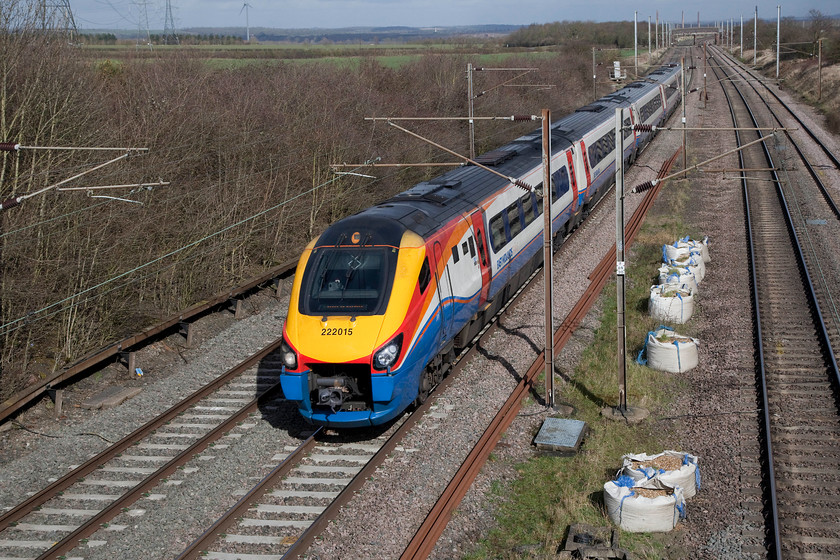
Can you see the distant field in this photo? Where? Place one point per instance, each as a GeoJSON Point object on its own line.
{"type": "Point", "coordinates": [344, 55]}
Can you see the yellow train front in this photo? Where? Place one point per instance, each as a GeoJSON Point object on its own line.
{"type": "Point", "coordinates": [353, 349]}
{"type": "Point", "coordinates": [383, 299]}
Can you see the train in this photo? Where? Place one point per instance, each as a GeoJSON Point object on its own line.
{"type": "Point", "coordinates": [384, 299]}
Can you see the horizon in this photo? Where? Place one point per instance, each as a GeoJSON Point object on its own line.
{"type": "Point", "coordinates": [92, 15]}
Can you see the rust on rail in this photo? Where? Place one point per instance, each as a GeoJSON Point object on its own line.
{"type": "Point", "coordinates": [426, 537]}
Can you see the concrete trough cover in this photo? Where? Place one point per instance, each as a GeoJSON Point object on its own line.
{"type": "Point", "coordinates": [560, 435]}
{"type": "Point", "coordinates": [111, 397]}
{"type": "Point", "coordinates": [816, 222]}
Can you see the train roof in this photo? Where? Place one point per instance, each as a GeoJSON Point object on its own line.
{"type": "Point", "coordinates": [426, 206]}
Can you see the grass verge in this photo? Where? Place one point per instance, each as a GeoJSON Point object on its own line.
{"type": "Point", "coordinates": [551, 493]}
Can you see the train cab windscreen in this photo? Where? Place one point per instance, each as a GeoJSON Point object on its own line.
{"type": "Point", "coordinates": [348, 281]}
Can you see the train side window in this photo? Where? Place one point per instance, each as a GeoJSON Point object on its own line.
{"type": "Point", "coordinates": [472, 246]}
{"type": "Point", "coordinates": [539, 205]}
{"type": "Point", "coordinates": [527, 209]}
{"type": "Point", "coordinates": [455, 255]}
{"type": "Point", "coordinates": [497, 232]}
{"type": "Point", "coordinates": [464, 248]}
{"type": "Point", "coordinates": [628, 132]}
{"type": "Point", "coordinates": [425, 275]}
{"type": "Point", "coordinates": [561, 181]}
{"type": "Point", "coordinates": [514, 220]}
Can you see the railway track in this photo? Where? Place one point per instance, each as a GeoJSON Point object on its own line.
{"type": "Point", "coordinates": [285, 510]}
{"type": "Point", "coordinates": [798, 375]}
{"type": "Point", "coordinates": [69, 511]}
{"type": "Point", "coordinates": [800, 173]}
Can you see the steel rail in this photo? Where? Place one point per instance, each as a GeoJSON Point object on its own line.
{"type": "Point", "coordinates": [196, 548]}
{"type": "Point", "coordinates": [429, 532]}
{"type": "Point", "coordinates": [812, 297]}
{"type": "Point", "coordinates": [71, 541]}
{"type": "Point", "coordinates": [768, 447]}
{"type": "Point", "coordinates": [812, 293]}
{"type": "Point", "coordinates": [811, 171]}
{"type": "Point", "coordinates": [829, 154]}
{"type": "Point", "coordinates": [92, 464]}
{"type": "Point", "coordinates": [98, 357]}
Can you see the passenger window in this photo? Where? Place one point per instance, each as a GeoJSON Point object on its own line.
{"type": "Point", "coordinates": [539, 206]}
{"type": "Point", "coordinates": [472, 247]}
{"type": "Point", "coordinates": [514, 220]}
{"type": "Point", "coordinates": [425, 275]}
{"type": "Point", "coordinates": [528, 209]}
{"type": "Point", "coordinates": [497, 233]}
{"type": "Point", "coordinates": [561, 181]}
{"type": "Point", "coordinates": [464, 248]}
{"type": "Point", "coordinates": [455, 256]}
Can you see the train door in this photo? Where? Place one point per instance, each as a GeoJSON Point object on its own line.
{"type": "Point", "coordinates": [585, 161]}
{"type": "Point", "coordinates": [664, 102]}
{"type": "Point", "coordinates": [477, 219]}
{"type": "Point", "coordinates": [573, 181]}
{"type": "Point", "coordinates": [633, 134]}
{"type": "Point", "coordinates": [444, 283]}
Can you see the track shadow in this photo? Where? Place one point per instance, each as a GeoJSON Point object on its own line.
{"type": "Point", "coordinates": [511, 370]}
{"type": "Point", "coordinates": [584, 390]}
{"type": "Point", "coordinates": [517, 332]}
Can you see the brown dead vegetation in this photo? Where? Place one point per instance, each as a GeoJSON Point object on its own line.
{"type": "Point", "coordinates": [247, 152]}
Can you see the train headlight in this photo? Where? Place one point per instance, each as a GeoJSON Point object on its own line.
{"type": "Point", "coordinates": [387, 356]}
{"type": "Point", "coordinates": [288, 355]}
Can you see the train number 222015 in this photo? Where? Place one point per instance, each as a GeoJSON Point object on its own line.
{"type": "Point", "coordinates": [336, 332]}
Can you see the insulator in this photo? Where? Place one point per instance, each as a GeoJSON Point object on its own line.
{"type": "Point", "coordinates": [9, 203]}
{"type": "Point", "coordinates": [522, 184]}
{"type": "Point", "coordinates": [644, 128]}
{"type": "Point", "coordinates": [9, 147]}
{"type": "Point", "coordinates": [521, 117]}
{"type": "Point", "coordinates": [647, 185]}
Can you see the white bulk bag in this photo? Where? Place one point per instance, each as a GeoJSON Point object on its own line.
{"type": "Point", "coordinates": [671, 304]}
{"type": "Point", "coordinates": [692, 262]}
{"type": "Point", "coordinates": [635, 513]}
{"type": "Point", "coordinates": [691, 245]}
{"type": "Point", "coordinates": [644, 467]}
{"type": "Point", "coordinates": [702, 246]}
{"type": "Point", "coordinates": [668, 351]}
{"type": "Point", "coordinates": [677, 250]}
{"type": "Point", "coordinates": [680, 277]}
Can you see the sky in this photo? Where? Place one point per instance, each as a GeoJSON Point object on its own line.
{"type": "Point", "coordinates": [286, 14]}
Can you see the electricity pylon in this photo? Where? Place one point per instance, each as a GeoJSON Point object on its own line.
{"type": "Point", "coordinates": [56, 15]}
{"type": "Point", "coordinates": [170, 37]}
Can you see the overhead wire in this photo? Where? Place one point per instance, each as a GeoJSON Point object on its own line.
{"type": "Point", "coordinates": [289, 163]}
{"type": "Point", "coordinates": [4, 328]}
